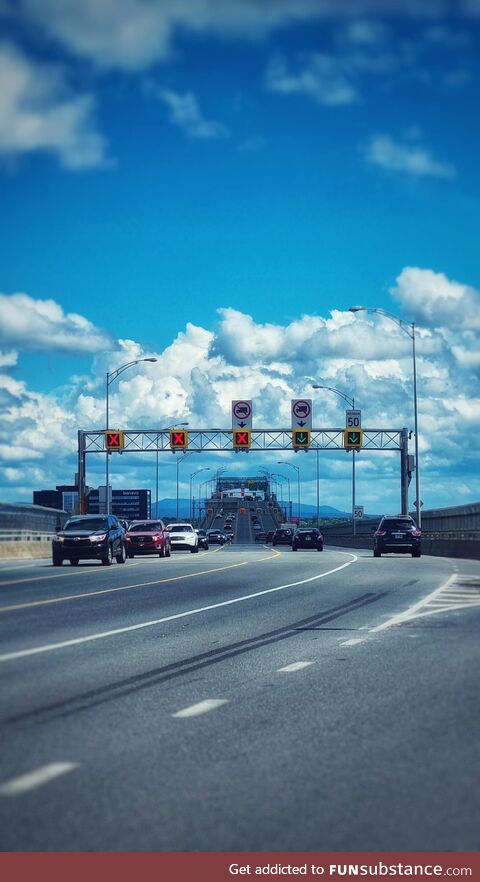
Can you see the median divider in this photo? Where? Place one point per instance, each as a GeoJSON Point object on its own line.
{"type": "Point", "coordinates": [25, 549]}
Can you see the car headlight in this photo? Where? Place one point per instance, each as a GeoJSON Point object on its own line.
{"type": "Point", "coordinates": [59, 539]}
{"type": "Point", "coordinates": [98, 538]}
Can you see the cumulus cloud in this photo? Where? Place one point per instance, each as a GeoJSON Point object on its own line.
{"type": "Point", "coordinates": [185, 113]}
{"type": "Point", "coordinates": [435, 300]}
{"type": "Point", "coordinates": [198, 375]}
{"type": "Point", "coordinates": [42, 325]}
{"type": "Point", "coordinates": [39, 113]}
{"type": "Point", "coordinates": [411, 159]}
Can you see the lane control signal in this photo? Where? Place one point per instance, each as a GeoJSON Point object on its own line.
{"type": "Point", "coordinates": [301, 439]}
{"type": "Point", "coordinates": [353, 439]}
{"type": "Point", "coordinates": [114, 439]}
{"type": "Point", "coordinates": [178, 439]}
{"type": "Point", "coordinates": [242, 439]}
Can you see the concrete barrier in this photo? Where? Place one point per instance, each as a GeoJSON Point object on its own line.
{"type": "Point", "coordinates": [25, 550]}
{"type": "Point", "coordinates": [463, 548]}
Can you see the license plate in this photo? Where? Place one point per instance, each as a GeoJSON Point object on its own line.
{"type": "Point", "coordinates": [307, 539]}
{"type": "Point", "coordinates": [398, 535]}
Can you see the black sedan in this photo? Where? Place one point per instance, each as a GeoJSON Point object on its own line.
{"type": "Point", "coordinates": [216, 537]}
{"type": "Point", "coordinates": [312, 539]}
{"type": "Point", "coordinates": [202, 539]}
{"type": "Point", "coordinates": [282, 536]}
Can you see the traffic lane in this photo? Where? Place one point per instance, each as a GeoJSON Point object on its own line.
{"type": "Point", "coordinates": [164, 649]}
{"type": "Point", "coordinates": [368, 750]}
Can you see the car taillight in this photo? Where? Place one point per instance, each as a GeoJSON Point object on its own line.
{"type": "Point", "coordinates": [380, 533]}
{"type": "Point", "coordinates": [416, 532]}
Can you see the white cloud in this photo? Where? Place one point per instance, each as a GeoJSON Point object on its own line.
{"type": "Point", "coordinates": [185, 113]}
{"type": "Point", "coordinates": [39, 113]}
{"type": "Point", "coordinates": [42, 325]}
{"type": "Point", "coordinates": [202, 371]}
{"type": "Point", "coordinates": [321, 77]}
{"type": "Point", "coordinates": [436, 301]}
{"type": "Point", "coordinates": [412, 159]}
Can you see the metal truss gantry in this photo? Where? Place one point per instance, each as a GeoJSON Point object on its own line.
{"type": "Point", "coordinates": [218, 440]}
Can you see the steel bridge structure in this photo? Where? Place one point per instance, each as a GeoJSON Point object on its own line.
{"type": "Point", "coordinates": [262, 440]}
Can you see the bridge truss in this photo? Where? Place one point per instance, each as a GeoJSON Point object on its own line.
{"type": "Point", "coordinates": [218, 440]}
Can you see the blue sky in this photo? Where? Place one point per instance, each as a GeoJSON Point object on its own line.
{"type": "Point", "coordinates": [277, 162]}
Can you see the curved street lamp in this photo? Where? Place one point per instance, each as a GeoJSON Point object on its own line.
{"type": "Point", "coordinates": [350, 401]}
{"type": "Point", "coordinates": [409, 329]}
{"type": "Point", "coordinates": [111, 376]}
{"type": "Point", "coordinates": [166, 429]}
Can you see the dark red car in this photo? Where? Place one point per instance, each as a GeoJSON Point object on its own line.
{"type": "Point", "coordinates": [148, 537]}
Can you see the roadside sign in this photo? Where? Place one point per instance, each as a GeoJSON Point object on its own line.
{"type": "Point", "coordinates": [241, 414]}
{"type": "Point", "coordinates": [353, 419]}
{"type": "Point", "coordinates": [358, 512]}
{"type": "Point", "coordinates": [301, 413]}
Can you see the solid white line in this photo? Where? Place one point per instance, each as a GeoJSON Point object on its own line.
{"type": "Point", "coordinates": [31, 780]}
{"type": "Point", "coordinates": [411, 612]}
{"type": "Point", "coordinates": [22, 653]}
{"type": "Point", "coordinates": [295, 666]}
{"type": "Point", "coordinates": [203, 707]}
{"type": "Point", "coordinates": [354, 641]}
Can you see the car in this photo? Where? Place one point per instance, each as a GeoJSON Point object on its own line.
{"type": "Point", "coordinates": [89, 537]}
{"type": "Point", "coordinates": [183, 536]}
{"type": "Point", "coordinates": [307, 539]}
{"type": "Point", "coordinates": [282, 536]}
{"type": "Point", "coordinates": [217, 516]}
{"type": "Point", "coordinates": [397, 533]}
{"type": "Point", "coordinates": [148, 537]}
{"type": "Point", "coordinates": [202, 539]}
{"type": "Point", "coordinates": [216, 537]}
{"type": "Point", "coordinates": [269, 536]}
{"type": "Point", "coordinates": [257, 527]}
{"type": "Point", "coordinates": [261, 536]}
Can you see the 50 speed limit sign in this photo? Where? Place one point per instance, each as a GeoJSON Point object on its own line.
{"type": "Point", "coordinates": [353, 419]}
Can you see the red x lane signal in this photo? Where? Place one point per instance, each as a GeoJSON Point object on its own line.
{"type": "Point", "coordinates": [178, 440]}
{"type": "Point", "coordinates": [114, 440]}
{"type": "Point", "coordinates": [241, 439]}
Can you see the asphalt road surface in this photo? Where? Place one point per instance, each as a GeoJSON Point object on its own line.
{"type": "Point", "coordinates": [241, 699]}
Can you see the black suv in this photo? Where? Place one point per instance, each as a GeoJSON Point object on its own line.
{"type": "Point", "coordinates": [202, 539]}
{"type": "Point", "coordinates": [282, 536]}
{"type": "Point", "coordinates": [89, 537]}
{"type": "Point", "coordinates": [397, 533]}
{"type": "Point", "coordinates": [307, 539]}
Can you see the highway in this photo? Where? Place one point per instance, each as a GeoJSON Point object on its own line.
{"type": "Point", "coordinates": [241, 699]}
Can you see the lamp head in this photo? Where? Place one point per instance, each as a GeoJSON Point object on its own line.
{"type": "Point", "coordinates": [149, 359]}
{"type": "Point", "coordinates": [356, 308]}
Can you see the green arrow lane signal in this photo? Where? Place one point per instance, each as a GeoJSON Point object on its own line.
{"type": "Point", "coordinates": [353, 439]}
{"type": "Point", "coordinates": [301, 438]}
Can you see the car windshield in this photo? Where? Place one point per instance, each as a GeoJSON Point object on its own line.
{"type": "Point", "coordinates": [396, 524]}
{"type": "Point", "coordinates": [180, 528]}
{"type": "Point", "coordinates": [141, 528]}
{"type": "Point", "coordinates": [90, 524]}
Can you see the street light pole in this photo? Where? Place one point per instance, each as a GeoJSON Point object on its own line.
{"type": "Point", "coordinates": [111, 376]}
{"type": "Point", "coordinates": [166, 429]}
{"type": "Point", "coordinates": [297, 469]}
{"type": "Point", "coordinates": [205, 469]}
{"type": "Point", "coordinates": [351, 402]}
{"type": "Point", "coordinates": [410, 330]}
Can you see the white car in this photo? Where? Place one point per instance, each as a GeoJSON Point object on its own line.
{"type": "Point", "coordinates": [183, 536]}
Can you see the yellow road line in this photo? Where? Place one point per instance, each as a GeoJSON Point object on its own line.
{"type": "Point", "coordinates": [67, 597]}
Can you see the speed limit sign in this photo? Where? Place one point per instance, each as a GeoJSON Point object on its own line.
{"type": "Point", "coordinates": [353, 419]}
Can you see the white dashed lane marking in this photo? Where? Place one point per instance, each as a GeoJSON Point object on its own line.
{"type": "Point", "coordinates": [295, 666]}
{"type": "Point", "coordinates": [36, 778]}
{"type": "Point", "coordinates": [202, 707]}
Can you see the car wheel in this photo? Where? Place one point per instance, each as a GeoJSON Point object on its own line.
{"type": "Point", "coordinates": [194, 550]}
{"type": "Point", "coordinates": [320, 548]}
{"type": "Point", "coordinates": [121, 558]}
{"type": "Point", "coordinates": [377, 553]}
{"type": "Point", "coordinates": [74, 561]}
{"type": "Point", "coordinates": [57, 561]}
{"type": "Point", "coordinates": [162, 552]}
{"type": "Point", "coordinates": [169, 550]}
{"type": "Point", "coordinates": [416, 553]}
{"type": "Point", "coordinates": [130, 556]}
{"type": "Point", "coordinates": [294, 549]}
{"type": "Point", "coordinates": [108, 559]}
